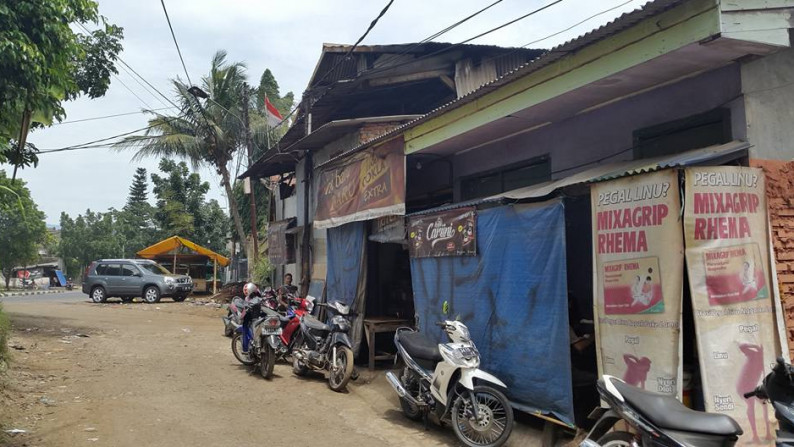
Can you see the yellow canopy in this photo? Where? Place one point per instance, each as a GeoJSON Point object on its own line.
{"type": "Point", "coordinates": [172, 245]}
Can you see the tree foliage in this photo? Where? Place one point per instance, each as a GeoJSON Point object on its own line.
{"type": "Point", "coordinates": [44, 62]}
{"type": "Point", "coordinates": [207, 132]}
{"type": "Point", "coordinates": [22, 226]}
{"type": "Point", "coordinates": [182, 208]}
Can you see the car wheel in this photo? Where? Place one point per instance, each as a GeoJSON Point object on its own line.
{"type": "Point", "coordinates": [98, 294]}
{"type": "Point", "coordinates": [151, 295]}
{"type": "Point", "coordinates": [179, 298]}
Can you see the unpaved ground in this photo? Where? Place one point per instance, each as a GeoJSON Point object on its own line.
{"type": "Point", "coordinates": [163, 375]}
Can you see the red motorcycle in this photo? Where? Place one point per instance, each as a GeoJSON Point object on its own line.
{"type": "Point", "coordinates": [297, 308]}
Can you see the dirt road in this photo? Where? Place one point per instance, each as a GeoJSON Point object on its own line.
{"type": "Point", "coordinates": [163, 375]}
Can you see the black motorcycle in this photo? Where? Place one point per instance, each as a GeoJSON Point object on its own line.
{"type": "Point", "coordinates": [325, 347]}
{"type": "Point", "coordinates": [657, 419]}
{"type": "Point", "coordinates": [778, 388]}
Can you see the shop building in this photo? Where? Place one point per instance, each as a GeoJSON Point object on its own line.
{"type": "Point", "coordinates": [681, 106]}
{"type": "Point", "coordinates": [358, 253]}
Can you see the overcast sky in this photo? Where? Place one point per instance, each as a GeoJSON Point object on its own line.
{"type": "Point", "coordinates": [285, 36]}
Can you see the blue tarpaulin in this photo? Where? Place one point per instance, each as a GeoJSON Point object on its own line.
{"type": "Point", "coordinates": [346, 272]}
{"type": "Point", "coordinates": [61, 278]}
{"type": "Point", "coordinates": [513, 298]}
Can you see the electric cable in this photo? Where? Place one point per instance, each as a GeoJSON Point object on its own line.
{"type": "Point", "coordinates": [95, 118]}
{"type": "Point", "coordinates": [130, 90]}
{"type": "Point", "coordinates": [168, 19]}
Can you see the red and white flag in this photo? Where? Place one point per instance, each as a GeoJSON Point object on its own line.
{"type": "Point", "coordinates": [273, 117]}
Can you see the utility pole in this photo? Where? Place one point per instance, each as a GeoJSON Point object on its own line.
{"type": "Point", "coordinates": [250, 146]}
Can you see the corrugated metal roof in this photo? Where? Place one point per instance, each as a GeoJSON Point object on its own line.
{"type": "Point", "coordinates": [616, 170]}
{"type": "Point", "coordinates": [712, 154]}
{"type": "Point", "coordinates": [617, 25]}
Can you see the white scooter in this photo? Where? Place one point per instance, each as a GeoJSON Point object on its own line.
{"type": "Point", "coordinates": [444, 381]}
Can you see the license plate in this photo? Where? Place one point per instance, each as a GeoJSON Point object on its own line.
{"type": "Point", "coordinates": [271, 331]}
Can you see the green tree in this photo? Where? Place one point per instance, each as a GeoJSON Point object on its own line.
{"type": "Point", "coordinates": [208, 132]}
{"type": "Point", "coordinates": [268, 86]}
{"type": "Point", "coordinates": [89, 237]}
{"type": "Point", "coordinates": [139, 189]}
{"type": "Point", "coordinates": [182, 208]}
{"type": "Point", "coordinates": [44, 62]}
{"type": "Point", "coordinates": [22, 226]}
{"type": "Point", "coordinates": [135, 221]}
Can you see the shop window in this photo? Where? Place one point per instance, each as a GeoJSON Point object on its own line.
{"type": "Point", "coordinates": [673, 137]}
{"type": "Point", "coordinates": [538, 170]}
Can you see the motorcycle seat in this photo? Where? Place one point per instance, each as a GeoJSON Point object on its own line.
{"type": "Point", "coordinates": [667, 412]}
{"type": "Point", "coordinates": [419, 346]}
{"type": "Point", "coordinates": [315, 324]}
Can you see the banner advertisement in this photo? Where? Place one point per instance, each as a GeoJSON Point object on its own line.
{"type": "Point", "coordinates": [366, 185]}
{"type": "Point", "coordinates": [448, 233]}
{"type": "Point", "coordinates": [727, 253]}
{"type": "Point", "coordinates": [638, 250]}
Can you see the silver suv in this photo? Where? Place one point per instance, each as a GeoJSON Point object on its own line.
{"type": "Point", "coordinates": [128, 278]}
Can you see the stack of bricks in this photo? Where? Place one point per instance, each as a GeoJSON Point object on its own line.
{"type": "Point", "coordinates": [780, 198]}
{"type": "Point", "coordinates": [374, 130]}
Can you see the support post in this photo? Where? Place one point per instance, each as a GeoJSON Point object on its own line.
{"type": "Point", "coordinates": [250, 146]}
{"type": "Point", "coordinates": [214, 276]}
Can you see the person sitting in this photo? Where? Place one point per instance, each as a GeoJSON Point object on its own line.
{"type": "Point", "coordinates": [286, 290]}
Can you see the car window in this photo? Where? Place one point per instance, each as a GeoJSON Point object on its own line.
{"type": "Point", "coordinates": [101, 268]}
{"type": "Point", "coordinates": [113, 270]}
{"type": "Point", "coordinates": [154, 267]}
{"type": "Point", "coordinates": [128, 270]}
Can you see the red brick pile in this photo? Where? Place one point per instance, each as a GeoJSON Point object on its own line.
{"type": "Point", "coordinates": [780, 197]}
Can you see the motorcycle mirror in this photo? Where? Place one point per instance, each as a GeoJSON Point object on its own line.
{"type": "Point", "coordinates": [445, 308]}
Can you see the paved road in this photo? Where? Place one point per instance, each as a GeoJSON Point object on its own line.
{"type": "Point", "coordinates": [163, 375]}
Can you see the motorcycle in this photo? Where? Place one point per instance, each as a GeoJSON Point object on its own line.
{"type": "Point", "coordinates": [778, 388]}
{"type": "Point", "coordinates": [256, 340]}
{"type": "Point", "coordinates": [233, 318]}
{"type": "Point", "coordinates": [325, 348]}
{"type": "Point", "coordinates": [298, 308]}
{"type": "Point", "coordinates": [658, 420]}
{"type": "Point", "coordinates": [439, 380]}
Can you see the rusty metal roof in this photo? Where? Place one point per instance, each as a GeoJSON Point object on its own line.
{"type": "Point", "coordinates": [617, 25]}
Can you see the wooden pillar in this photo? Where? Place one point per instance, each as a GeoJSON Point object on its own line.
{"type": "Point", "coordinates": [214, 276]}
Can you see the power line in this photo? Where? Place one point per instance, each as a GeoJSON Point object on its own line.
{"type": "Point", "coordinates": [93, 143]}
{"type": "Point", "coordinates": [438, 33]}
{"type": "Point", "coordinates": [130, 90]}
{"type": "Point", "coordinates": [136, 73]}
{"type": "Point", "coordinates": [463, 42]}
{"type": "Point", "coordinates": [109, 116]}
{"type": "Point", "coordinates": [143, 86]}
{"type": "Point", "coordinates": [148, 83]}
{"type": "Point", "coordinates": [561, 31]}
{"type": "Point", "coordinates": [168, 19]}
{"type": "Point", "coordinates": [350, 51]}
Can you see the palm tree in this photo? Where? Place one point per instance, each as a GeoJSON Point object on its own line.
{"type": "Point", "coordinates": [207, 133]}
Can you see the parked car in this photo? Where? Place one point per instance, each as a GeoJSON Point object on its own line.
{"type": "Point", "coordinates": [130, 278]}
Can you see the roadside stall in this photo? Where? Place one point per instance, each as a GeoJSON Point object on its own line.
{"type": "Point", "coordinates": [358, 197]}
{"type": "Point", "coordinates": [187, 257]}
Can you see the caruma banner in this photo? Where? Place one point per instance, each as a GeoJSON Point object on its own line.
{"type": "Point", "coordinates": [447, 233]}
{"type": "Point", "coordinates": [366, 185]}
{"type": "Point", "coordinates": [638, 250]}
{"type": "Point", "coordinates": [727, 253]}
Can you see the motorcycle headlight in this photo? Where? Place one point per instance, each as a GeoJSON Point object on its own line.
{"type": "Point", "coordinates": [309, 306]}
{"type": "Point", "coordinates": [340, 322]}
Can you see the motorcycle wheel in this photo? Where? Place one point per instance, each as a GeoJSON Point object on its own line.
{"type": "Point", "coordinates": [298, 368]}
{"type": "Point", "coordinates": [268, 361]}
{"type": "Point", "coordinates": [497, 422]}
{"type": "Point", "coordinates": [338, 376]}
{"type": "Point", "coordinates": [617, 439]}
{"type": "Point", "coordinates": [237, 349]}
{"type": "Point", "coordinates": [410, 410]}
